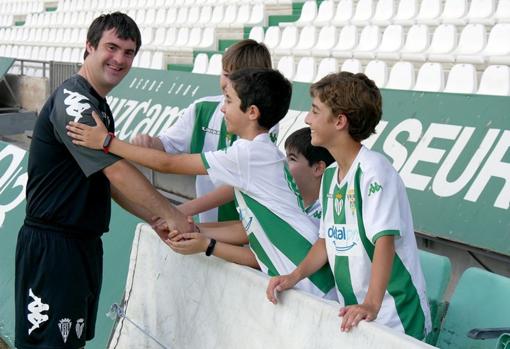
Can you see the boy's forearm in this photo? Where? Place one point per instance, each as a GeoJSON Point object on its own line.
{"type": "Point", "coordinates": [231, 232]}
{"type": "Point", "coordinates": [159, 160]}
{"type": "Point", "coordinates": [314, 260]}
{"type": "Point", "coordinates": [218, 197]}
{"type": "Point", "coordinates": [382, 264]}
{"type": "Point", "coordinates": [236, 254]}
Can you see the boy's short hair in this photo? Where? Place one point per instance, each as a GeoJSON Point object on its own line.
{"type": "Point", "coordinates": [246, 54]}
{"type": "Point", "coordinates": [124, 25]}
{"type": "Point", "coordinates": [267, 89]}
{"type": "Point", "coordinates": [301, 142]}
{"type": "Point", "coordinates": [355, 96]}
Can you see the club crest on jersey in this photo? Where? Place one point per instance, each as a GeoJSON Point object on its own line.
{"type": "Point", "coordinates": [64, 326]}
{"type": "Point", "coordinates": [76, 104]}
{"type": "Point", "coordinates": [80, 323]}
{"type": "Point", "coordinates": [338, 203]}
{"type": "Point", "coordinates": [35, 312]}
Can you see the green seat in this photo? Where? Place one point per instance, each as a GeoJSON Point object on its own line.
{"type": "Point", "coordinates": [437, 271]}
{"type": "Point", "coordinates": [480, 300]}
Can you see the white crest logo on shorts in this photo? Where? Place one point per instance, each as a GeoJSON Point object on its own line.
{"type": "Point", "coordinates": [64, 326]}
{"type": "Point", "coordinates": [36, 309]}
{"type": "Point", "coordinates": [79, 327]}
{"type": "Point", "coordinates": [74, 103]}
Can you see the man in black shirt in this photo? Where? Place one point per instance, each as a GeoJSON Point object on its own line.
{"type": "Point", "coordinates": [59, 250]}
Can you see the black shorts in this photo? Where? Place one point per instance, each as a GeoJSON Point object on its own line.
{"type": "Point", "coordinates": [57, 286]}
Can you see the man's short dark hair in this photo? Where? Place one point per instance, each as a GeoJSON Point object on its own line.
{"type": "Point", "coordinates": [267, 89]}
{"type": "Point", "coordinates": [355, 96]}
{"type": "Point", "coordinates": [300, 141]}
{"type": "Point", "coordinates": [124, 25]}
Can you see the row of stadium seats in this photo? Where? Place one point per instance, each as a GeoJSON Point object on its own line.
{"type": "Point", "coordinates": [431, 77]}
{"type": "Point", "coordinates": [232, 15]}
{"type": "Point", "coordinates": [406, 12]}
{"type": "Point", "coordinates": [444, 45]}
{"type": "Point", "coordinates": [73, 5]}
{"type": "Point", "coordinates": [174, 39]}
{"type": "Point", "coordinates": [21, 7]}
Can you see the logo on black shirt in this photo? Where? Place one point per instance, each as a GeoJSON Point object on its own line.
{"type": "Point", "coordinates": [75, 104]}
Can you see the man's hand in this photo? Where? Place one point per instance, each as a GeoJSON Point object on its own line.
{"type": "Point", "coordinates": [279, 284]}
{"type": "Point", "coordinates": [160, 227]}
{"type": "Point", "coordinates": [88, 136]}
{"type": "Point", "coordinates": [353, 314]}
{"type": "Point", "coordinates": [189, 243]}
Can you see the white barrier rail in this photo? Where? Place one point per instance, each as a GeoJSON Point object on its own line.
{"type": "Point", "coordinates": [204, 302]}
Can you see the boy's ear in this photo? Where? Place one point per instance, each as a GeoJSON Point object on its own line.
{"type": "Point", "coordinates": [341, 122]}
{"type": "Point", "coordinates": [253, 112]}
{"type": "Point", "coordinates": [319, 168]}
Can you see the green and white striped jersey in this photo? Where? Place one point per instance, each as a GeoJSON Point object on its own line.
{"type": "Point", "coordinates": [371, 202]}
{"type": "Point", "coordinates": [201, 128]}
{"type": "Point", "coordinates": [270, 208]}
{"type": "Point", "coordinates": [314, 211]}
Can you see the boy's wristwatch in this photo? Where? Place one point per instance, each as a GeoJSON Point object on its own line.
{"type": "Point", "coordinates": [107, 142]}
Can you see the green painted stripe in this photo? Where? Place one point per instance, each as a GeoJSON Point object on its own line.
{"type": "Point", "coordinates": [327, 178]}
{"type": "Point", "coordinates": [204, 160]}
{"type": "Point", "coordinates": [343, 280]}
{"type": "Point", "coordinates": [287, 240]}
{"type": "Point", "coordinates": [262, 256]}
{"type": "Point", "coordinates": [400, 286]}
{"type": "Point", "coordinates": [203, 114]}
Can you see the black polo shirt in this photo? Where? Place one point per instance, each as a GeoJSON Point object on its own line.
{"type": "Point", "coordinates": [67, 190]}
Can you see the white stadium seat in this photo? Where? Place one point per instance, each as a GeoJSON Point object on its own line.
{"type": "Point", "coordinates": [325, 42]}
{"type": "Point", "coordinates": [392, 40]}
{"type": "Point", "coordinates": [497, 50]}
{"type": "Point", "coordinates": [502, 14]}
{"type": "Point", "coordinates": [430, 78]}
{"type": "Point", "coordinates": [430, 12]}
{"type": "Point", "coordinates": [347, 40]}
{"type": "Point", "coordinates": [287, 66]}
{"type": "Point", "coordinates": [401, 76]}
{"type": "Point", "coordinates": [308, 14]}
{"type": "Point", "coordinates": [306, 70]}
{"type": "Point", "coordinates": [215, 66]}
{"type": "Point", "coordinates": [326, 66]}
{"type": "Point", "coordinates": [272, 37]}
{"type": "Point", "coordinates": [351, 65]}
{"type": "Point", "coordinates": [364, 12]}
{"type": "Point", "coordinates": [495, 80]}
{"type": "Point", "coordinates": [384, 12]}
{"type": "Point", "coordinates": [461, 79]}
{"type": "Point", "coordinates": [257, 34]}
{"type": "Point", "coordinates": [325, 13]}
{"type": "Point", "coordinates": [444, 41]}
{"type": "Point", "coordinates": [307, 40]}
{"type": "Point", "coordinates": [417, 41]}
{"type": "Point", "coordinates": [369, 39]}
{"type": "Point", "coordinates": [378, 72]}
{"type": "Point", "coordinates": [472, 41]}
{"type": "Point", "coordinates": [344, 12]}
{"type": "Point", "coordinates": [200, 63]}
{"type": "Point", "coordinates": [288, 41]}
{"type": "Point", "coordinates": [406, 12]}
{"type": "Point", "coordinates": [481, 11]}
{"type": "Point", "coordinates": [454, 11]}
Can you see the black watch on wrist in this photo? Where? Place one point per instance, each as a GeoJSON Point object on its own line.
{"type": "Point", "coordinates": [210, 248]}
{"type": "Point", "coordinates": [107, 142]}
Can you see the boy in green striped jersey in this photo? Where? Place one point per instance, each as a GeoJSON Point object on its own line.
{"type": "Point", "coordinates": [307, 164]}
{"type": "Point", "coordinates": [272, 215]}
{"type": "Point", "coordinates": [366, 231]}
{"type": "Point", "coordinates": [201, 128]}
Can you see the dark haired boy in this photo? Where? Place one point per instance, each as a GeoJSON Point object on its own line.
{"type": "Point", "coordinates": [366, 229]}
{"type": "Point", "coordinates": [59, 252]}
{"type": "Point", "coordinates": [201, 128]}
{"type": "Point", "coordinates": [307, 164]}
{"type": "Point", "coordinates": [280, 234]}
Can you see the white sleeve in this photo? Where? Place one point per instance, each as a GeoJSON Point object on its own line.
{"type": "Point", "coordinates": [380, 195]}
{"type": "Point", "coordinates": [229, 166]}
{"type": "Point", "coordinates": [177, 138]}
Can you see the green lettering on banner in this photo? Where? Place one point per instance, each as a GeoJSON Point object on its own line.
{"type": "Point", "coordinates": [451, 150]}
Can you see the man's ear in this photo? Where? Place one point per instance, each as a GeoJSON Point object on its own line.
{"type": "Point", "coordinates": [319, 168]}
{"type": "Point", "coordinates": [253, 112]}
{"type": "Point", "coordinates": [89, 47]}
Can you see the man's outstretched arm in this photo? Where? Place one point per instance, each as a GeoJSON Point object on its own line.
{"type": "Point", "coordinates": [132, 187]}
